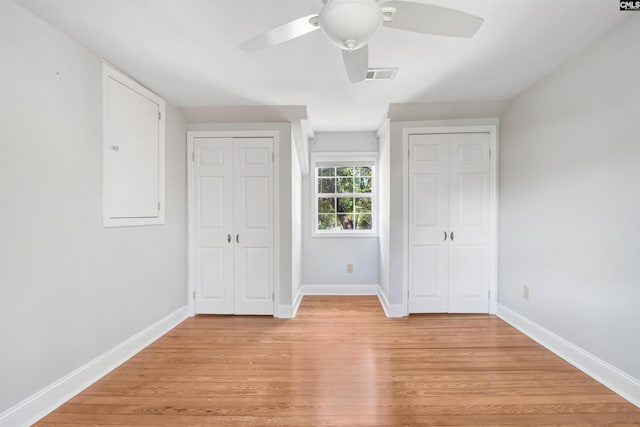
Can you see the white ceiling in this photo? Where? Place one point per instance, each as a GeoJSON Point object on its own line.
{"type": "Point", "coordinates": [186, 50]}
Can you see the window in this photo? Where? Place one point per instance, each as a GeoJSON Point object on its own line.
{"type": "Point", "coordinates": [344, 194]}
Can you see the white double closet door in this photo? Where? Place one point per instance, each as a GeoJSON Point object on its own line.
{"type": "Point", "coordinates": [232, 225]}
{"type": "Point", "coordinates": [450, 231]}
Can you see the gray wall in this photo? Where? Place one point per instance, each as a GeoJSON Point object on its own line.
{"type": "Point", "coordinates": [284, 196]}
{"type": "Point", "coordinates": [570, 200]}
{"type": "Point", "coordinates": [325, 259]}
{"type": "Point", "coordinates": [408, 112]}
{"type": "Point", "coordinates": [71, 289]}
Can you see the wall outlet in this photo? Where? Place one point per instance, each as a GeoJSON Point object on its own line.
{"type": "Point", "coordinates": [525, 292]}
{"type": "Point", "coordinates": [349, 268]}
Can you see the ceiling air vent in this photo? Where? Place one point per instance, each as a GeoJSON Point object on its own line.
{"type": "Point", "coordinates": [381, 73]}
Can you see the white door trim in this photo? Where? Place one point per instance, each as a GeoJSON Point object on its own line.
{"type": "Point", "coordinates": [492, 130]}
{"type": "Point", "coordinates": [191, 135]}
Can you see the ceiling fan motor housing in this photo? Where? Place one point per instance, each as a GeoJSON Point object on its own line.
{"type": "Point", "coordinates": [350, 24]}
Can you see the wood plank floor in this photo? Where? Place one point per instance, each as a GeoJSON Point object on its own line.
{"type": "Point", "coordinates": [342, 362]}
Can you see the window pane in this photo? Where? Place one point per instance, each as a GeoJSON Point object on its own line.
{"type": "Point", "coordinates": [362, 171]}
{"type": "Point", "coordinates": [363, 205]}
{"type": "Point", "coordinates": [326, 185]}
{"type": "Point", "coordinates": [336, 211]}
{"type": "Point", "coordinates": [345, 205]}
{"type": "Point", "coordinates": [346, 222]}
{"type": "Point", "coordinates": [362, 185]}
{"type": "Point", "coordinates": [326, 222]}
{"type": "Point", "coordinates": [363, 222]}
{"type": "Point", "coordinates": [345, 185]}
{"type": "Point", "coordinates": [326, 171]}
{"type": "Point", "coordinates": [326, 205]}
{"type": "Point", "coordinates": [345, 172]}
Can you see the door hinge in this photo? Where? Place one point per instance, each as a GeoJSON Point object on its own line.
{"type": "Point", "coordinates": [194, 295]}
{"type": "Point", "coordinates": [273, 157]}
{"type": "Point", "coordinates": [409, 153]}
{"type": "Point", "coordinates": [193, 157]}
{"type": "Point", "coordinates": [158, 206]}
{"type": "Point", "coordinates": [273, 296]}
{"type": "Point", "coordinates": [489, 153]}
{"type": "Point", "coordinates": [159, 115]}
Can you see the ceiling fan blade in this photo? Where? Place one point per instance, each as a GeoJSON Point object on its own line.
{"type": "Point", "coordinates": [430, 19]}
{"type": "Point", "coordinates": [283, 33]}
{"type": "Point", "coordinates": [357, 63]}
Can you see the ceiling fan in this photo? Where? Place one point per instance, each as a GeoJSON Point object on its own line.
{"type": "Point", "coordinates": [350, 24]}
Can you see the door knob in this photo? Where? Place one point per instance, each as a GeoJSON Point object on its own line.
{"type": "Point", "coordinates": [228, 238]}
{"type": "Point", "coordinates": [237, 238]}
{"type": "Point", "coordinates": [445, 235]}
{"type": "Point", "coordinates": [451, 236]}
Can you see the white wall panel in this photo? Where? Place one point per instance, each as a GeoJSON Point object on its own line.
{"type": "Point", "coordinates": [570, 204]}
{"type": "Point", "coordinates": [84, 288]}
{"type": "Point", "coordinates": [325, 259]}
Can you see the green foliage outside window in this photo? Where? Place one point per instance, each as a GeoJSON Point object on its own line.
{"type": "Point", "coordinates": [345, 198]}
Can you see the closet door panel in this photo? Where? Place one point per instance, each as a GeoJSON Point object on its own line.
{"type": "Point", "coordinates": [256, 274]}
{"type": "Point", "coordinates": [213, 191]}
{"type": "Point", "coordinates": [212, 272]}
{"type": "Point", "coordinates": [428, 221]}
{"type": "Point", "coordinates": [254, 225]}
{"type": "Point", "coordinates": [470, 223]}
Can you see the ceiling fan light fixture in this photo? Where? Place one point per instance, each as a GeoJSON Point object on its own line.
{"type": "Point", "coordinates": [350, 24]}
{"type": "Point", "coordinates": [350, 44]}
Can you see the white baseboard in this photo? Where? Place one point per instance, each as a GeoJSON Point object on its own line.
{"type": "Point", "coordinates": [289, 311]}
{"type": "Point", "coordinates": [49, 398]}
{"type": "Point", "coordinates": [296, 302]}
{"type": "Point", "coordinates": [391, 310]}
{"type": "Point", "coordinates": [339, 289]}
{"type": "Point", "coordinates": [618, 381]}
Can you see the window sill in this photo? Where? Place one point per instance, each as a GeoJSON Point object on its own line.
{"type": "Point", "coordinates": [343, 234]}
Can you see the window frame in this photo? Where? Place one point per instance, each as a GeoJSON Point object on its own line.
{"type": "Point", "coordinates": [368, 159]}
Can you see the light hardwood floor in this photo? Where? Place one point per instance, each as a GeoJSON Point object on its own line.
{"type": "Point", "coordinates": [342, 362]}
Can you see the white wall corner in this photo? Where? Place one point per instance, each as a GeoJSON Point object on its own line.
{"type": "Point", "coordinates": [307, 130]}
{"type": "Point", "coordinates": [301, 131]}
{"type": "Point", "coordinates": [287, 311]}
{"type": "Point", "coordinates": [391, 310]}
{"type": "Point", "coordinates": [618, 381]}
{"type": "Point", "coordinates": [51, 397]}
{"type": "Point", "coordinates": [384, 127]}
